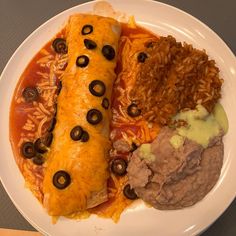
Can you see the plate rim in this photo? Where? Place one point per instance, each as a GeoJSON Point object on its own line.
{"type": "Point", "coordinates": [229, 51]}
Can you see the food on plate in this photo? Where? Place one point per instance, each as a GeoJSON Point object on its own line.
{"type": "Point", "coordinates": [125, 132]}
{"type": "Point", "coordinates": [181, 165]}
{"type": "Point", "coordinates": [175, 76]}
{"type": "Point", "coordinates": [108, 112]}
{"type": "Point", "coordinates": [77, 159]}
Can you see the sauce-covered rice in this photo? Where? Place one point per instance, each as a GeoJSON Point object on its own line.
{"type": "Point", "coordinates": [175, 76]}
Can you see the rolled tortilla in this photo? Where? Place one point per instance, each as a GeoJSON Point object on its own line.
{"type": "Point", "coordinates": [85, 162]}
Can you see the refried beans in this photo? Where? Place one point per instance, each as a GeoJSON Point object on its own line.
{"type": "Point", "coordinates": [175, 178]}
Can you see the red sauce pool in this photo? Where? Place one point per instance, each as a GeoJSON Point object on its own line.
{"type": "Point", "coordinates": [30, 77]}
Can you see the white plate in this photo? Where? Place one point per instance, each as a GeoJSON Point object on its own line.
{"type": "Point", "coordinates": [140, 220]}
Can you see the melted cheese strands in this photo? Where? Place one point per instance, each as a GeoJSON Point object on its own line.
{"type": "Point", "coordinates": [85, 162]}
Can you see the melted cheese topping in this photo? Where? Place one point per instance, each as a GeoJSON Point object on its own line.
{"type": "Point", "coordinates": [85, 162]}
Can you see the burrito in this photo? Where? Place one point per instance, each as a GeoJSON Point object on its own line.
{"type": "Point", "coordinates": [76, 170]}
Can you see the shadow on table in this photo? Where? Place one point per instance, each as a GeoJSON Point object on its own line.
{"type": "Point", "coordinates": [223, 226]}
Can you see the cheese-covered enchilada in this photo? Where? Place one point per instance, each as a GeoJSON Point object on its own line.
{"type": "Point", "coordinates": [66, 88]}
{"type": "Point", "coordinates": [76, 167]}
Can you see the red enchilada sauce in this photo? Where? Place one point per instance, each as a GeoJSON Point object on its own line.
{"type": "Point", "coordinates": [30, 120]}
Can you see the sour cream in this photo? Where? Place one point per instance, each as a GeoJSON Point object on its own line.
{"type": "Point", "coordinates": [201, 126]}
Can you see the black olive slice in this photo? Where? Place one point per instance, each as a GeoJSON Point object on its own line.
{"type": "Point", "coordinates": [133, 147]}
{"type": "Point", "coordinates": [129, 192]}
{"type": "Point", "coordinates": [82, 61]}
{"type": "Point", "coordinates": [97, 88]}
{"type": "Point", "coordinates": [133, 110]}
{"type": "Point", "coordinates": [94, 116]}
{"type": "Point", "coordinates": [30, 94]}
{"type": "Point", "coordinates": [59, 45]}
{"type": "Point", "coordinates": [59, 87]}
{"type": "Point", "coordinates": [118, 166]}
{"type": "Point", "coordinates": [47, 139]}
{"type": "Point", "coordinates": [108, 52]}
{"type": "Point", "coordinates": [85, 137]}
{"type": "Point", "coordinates": [76, 133]}
{"type": "Point", "coordinates": [61, 179]}
{"type": "Point", "coordinates": [38, 159]}
{"type": "Point", "coordinates": [27, 150]}
{"type": "Point", "coordinates": [105, 103]}
{"type": "Point", "coordinates": [52, 124]}
{"type": "Point", "coordinates": [40, 146]}
{"type": "Point", "coordinates": [90, 44]}
{"type": "Point", "coordinates": [87, 29]}
{"type": "Point", "coordinates": [142, 56]}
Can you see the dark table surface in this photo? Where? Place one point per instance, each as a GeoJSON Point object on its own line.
{"type": "Point", "coordinates": [18, 18]}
